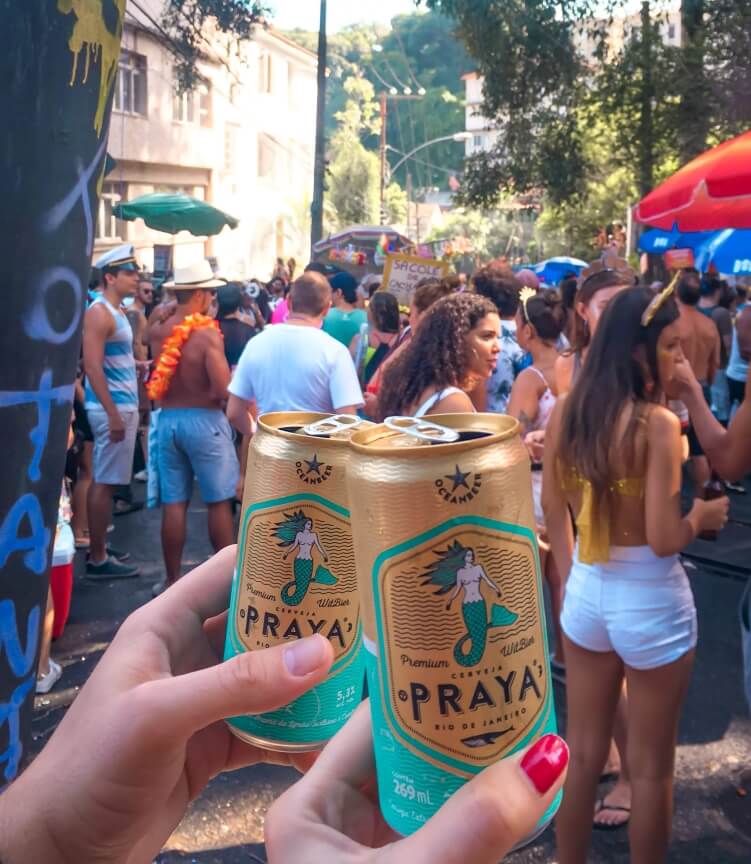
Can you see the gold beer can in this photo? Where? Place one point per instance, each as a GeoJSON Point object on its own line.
{"type": "Point", "coordinates": [295, 573]}
{"type": "Point", "coordinates": [454, 632]}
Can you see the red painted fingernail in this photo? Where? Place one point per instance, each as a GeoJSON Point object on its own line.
{"type": "Point", "coordinates": [545, 762]}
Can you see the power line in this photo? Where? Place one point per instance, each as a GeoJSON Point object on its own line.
{"type": "Point", "coordinates": [380, 78]}
{"type": "Point", "coordinates": [435, 167]}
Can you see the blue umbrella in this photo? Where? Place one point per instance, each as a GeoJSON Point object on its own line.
{"type": "Point", "coordinates": [658, 241]}
{"type": "Point", "coordinates": [554, 269]}
{"type": "Point", "coordinates": [729, 251]}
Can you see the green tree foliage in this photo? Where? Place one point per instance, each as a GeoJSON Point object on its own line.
{"type": "Point", "coordinates": [396, 204]}
{"type": "Point", "coordinates": [636, 89]}
{"type": "Point", "coordinates": [419, 52]}
{"type": "Point", "coordinates": [729, 60]}
{"type": "Point", "coordinates": [571, 227]}
{"type": "Point", "coordinates": [353, 182]}
{"type": "Point", "coordinates": [662, 102]}
{"type": "Point", "coordinates": [354, 171]}
{"type": "Point", "coordinates": [506, 230]}
{"type": "Point", "coordinates": [533, 86]}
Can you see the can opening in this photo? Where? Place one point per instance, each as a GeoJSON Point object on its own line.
{"type": "Point", "coordinates": [299, 430]}
{"type": "Point", "coordinates": [467, 435]}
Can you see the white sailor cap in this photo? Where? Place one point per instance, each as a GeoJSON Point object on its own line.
{"type": "Point", "coordinates": [120, 258]}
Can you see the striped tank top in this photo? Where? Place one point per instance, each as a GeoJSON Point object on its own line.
{"type": "Point", "coordinates": [119, 364]}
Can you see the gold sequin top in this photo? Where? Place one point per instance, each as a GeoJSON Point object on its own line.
{"type": "Point", "coordinates": [594, 533]}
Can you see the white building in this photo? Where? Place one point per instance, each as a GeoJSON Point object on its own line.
{"type": "Point", "coordinates": [482, 129]}
{"type": "Point", "coordinates": [243, 140]}
{"type": "Point", "coordinates": [484, 133]}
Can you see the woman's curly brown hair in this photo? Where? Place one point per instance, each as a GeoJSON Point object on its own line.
{"type": "Point", "coordinates": [437, 354]}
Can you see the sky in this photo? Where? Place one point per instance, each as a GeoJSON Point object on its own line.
{"type": "Point", "coordinates": [303, 14]}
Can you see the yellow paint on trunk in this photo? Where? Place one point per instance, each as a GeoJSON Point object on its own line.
{"type": "Point", "coordinates": [90, 34]}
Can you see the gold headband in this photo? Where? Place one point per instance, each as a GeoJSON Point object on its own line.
{"type": "Point", "coordinates": [526, 294]}
{"type": "Point", "coordinates": [658, 301]}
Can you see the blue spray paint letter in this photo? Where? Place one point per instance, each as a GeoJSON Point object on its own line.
{"type": "Point", "coordinates": [57, 214]}
{"type": "Point", "coordinates": [35, 544]}
{"type": "Point", "coordinates": [21, 662]}
{"type": "Point", "coordinates": [36, 321]}
{"type": "Point", "coordinates": [43, 397]}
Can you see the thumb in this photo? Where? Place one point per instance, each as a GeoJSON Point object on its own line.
{"type": "Point", "coordinates": [488, 816]}
{"type": "Point", "coordinates": [249, 683]}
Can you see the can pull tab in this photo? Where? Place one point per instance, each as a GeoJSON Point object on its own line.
{"type": "Point", "coordinates": [330, 425]}
{"type": "Point", "coordinates": [422, 429]}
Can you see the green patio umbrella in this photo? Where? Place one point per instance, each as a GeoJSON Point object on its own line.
{"type": "Point", "coordinates": [173, 212]}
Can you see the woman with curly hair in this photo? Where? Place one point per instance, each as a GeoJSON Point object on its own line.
{"type": "Point", "coordinates": [455, 347]}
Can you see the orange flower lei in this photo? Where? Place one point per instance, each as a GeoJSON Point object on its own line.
{"type": "Point", "coordinates": [166, 366]}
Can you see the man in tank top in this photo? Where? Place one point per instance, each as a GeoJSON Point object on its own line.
{"type": "Point", "coordinates": [111, 402]}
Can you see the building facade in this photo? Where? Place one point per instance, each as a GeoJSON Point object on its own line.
{"type": "Point", "coordinates": [243, 141]}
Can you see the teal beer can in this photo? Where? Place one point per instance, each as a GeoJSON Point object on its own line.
{"type": "Point", "coordinates": [453, 617]}
{"type": "Point", "coordinates": [295, 574]}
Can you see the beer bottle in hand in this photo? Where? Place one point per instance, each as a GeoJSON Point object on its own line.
{"type": "Point", "coordinates": [713, 489]}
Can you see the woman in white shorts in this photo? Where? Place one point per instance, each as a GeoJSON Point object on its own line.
{"type": "Point", "coordinates": [540, 320]}
{"type": "Point", "coordinates": [613, 455]}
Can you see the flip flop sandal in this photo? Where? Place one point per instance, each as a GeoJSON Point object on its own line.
{"type": "Point", "coordinates": [602, 826]}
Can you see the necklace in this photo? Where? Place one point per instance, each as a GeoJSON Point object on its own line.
{"type": "Point", "coordinates": [169, 359]}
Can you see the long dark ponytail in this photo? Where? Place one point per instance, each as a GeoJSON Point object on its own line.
{"type": "Point", "coordinates": [611, 377]}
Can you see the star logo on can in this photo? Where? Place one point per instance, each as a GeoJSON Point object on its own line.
{"type": "Point", "coordinates": [459, 487]}
{"type": "Point", "coordinates": [313, 471]}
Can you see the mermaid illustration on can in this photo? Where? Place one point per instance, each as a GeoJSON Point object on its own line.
{"type": "Point", "coordinates": [296, 534]}
{"type": "Point", "coordinates": [457, 569]}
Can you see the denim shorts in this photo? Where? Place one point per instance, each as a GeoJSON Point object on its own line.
{"type": "Point", "coordinates": [196, 442]}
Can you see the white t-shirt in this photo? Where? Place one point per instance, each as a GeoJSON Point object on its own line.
{"type": "Point", "coordinates": [289, 367]}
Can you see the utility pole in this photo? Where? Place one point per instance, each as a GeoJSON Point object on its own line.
{"type": "Point", "coordinates": [383, 146]}
{"type": "Point", "coordinates": [316, 208]}
{"type": "Point", "coordinates": [409, 199]}
{"type": "Point", "coordinates": [384, 164]}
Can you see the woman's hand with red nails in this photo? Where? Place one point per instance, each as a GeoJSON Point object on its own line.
{"type": "Point", "coordinates": [332, 814]}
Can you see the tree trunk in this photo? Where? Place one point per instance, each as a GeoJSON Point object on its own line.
{"type": "Point", "coordinates": [58, 64]}
{"type": "Point", "coordinates": [646, 116]}
{"type": "Point", "coordinates": [694, 112]}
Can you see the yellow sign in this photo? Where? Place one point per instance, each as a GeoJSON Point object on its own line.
{"type": "Point", "coordinates": [402, 273]}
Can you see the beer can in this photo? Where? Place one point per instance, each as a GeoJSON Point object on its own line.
{"type": "Point", "coordinates": [295, 573]}
{"type": "Point", "coordinates": [456, 649]}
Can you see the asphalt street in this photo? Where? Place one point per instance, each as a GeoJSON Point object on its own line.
{"type": "Point", "coordinates": [225, 824]}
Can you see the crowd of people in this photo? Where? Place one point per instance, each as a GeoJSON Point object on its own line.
{"type": "Point", "coordinates": [615, 384]}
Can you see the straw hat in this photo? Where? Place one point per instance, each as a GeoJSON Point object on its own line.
{"type": "Point", "coordinates": [197, 275]}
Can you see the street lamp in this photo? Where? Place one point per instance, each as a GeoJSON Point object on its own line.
{"type": "Point", "coordinates": [457, 136]}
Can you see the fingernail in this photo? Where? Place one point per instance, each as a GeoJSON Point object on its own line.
{"type": "Point", "coordinates": [545, 762]}
{"type": "Point", "coordinates": [304, 656]}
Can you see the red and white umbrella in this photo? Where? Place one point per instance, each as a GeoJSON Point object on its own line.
{"type": "Point", "coordinates": [710, 193]}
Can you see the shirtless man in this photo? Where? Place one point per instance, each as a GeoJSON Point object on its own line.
{"type": "Point", "coordinates": [193, 434]}
{"type": "Point", "coordinates": [700, 341]}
